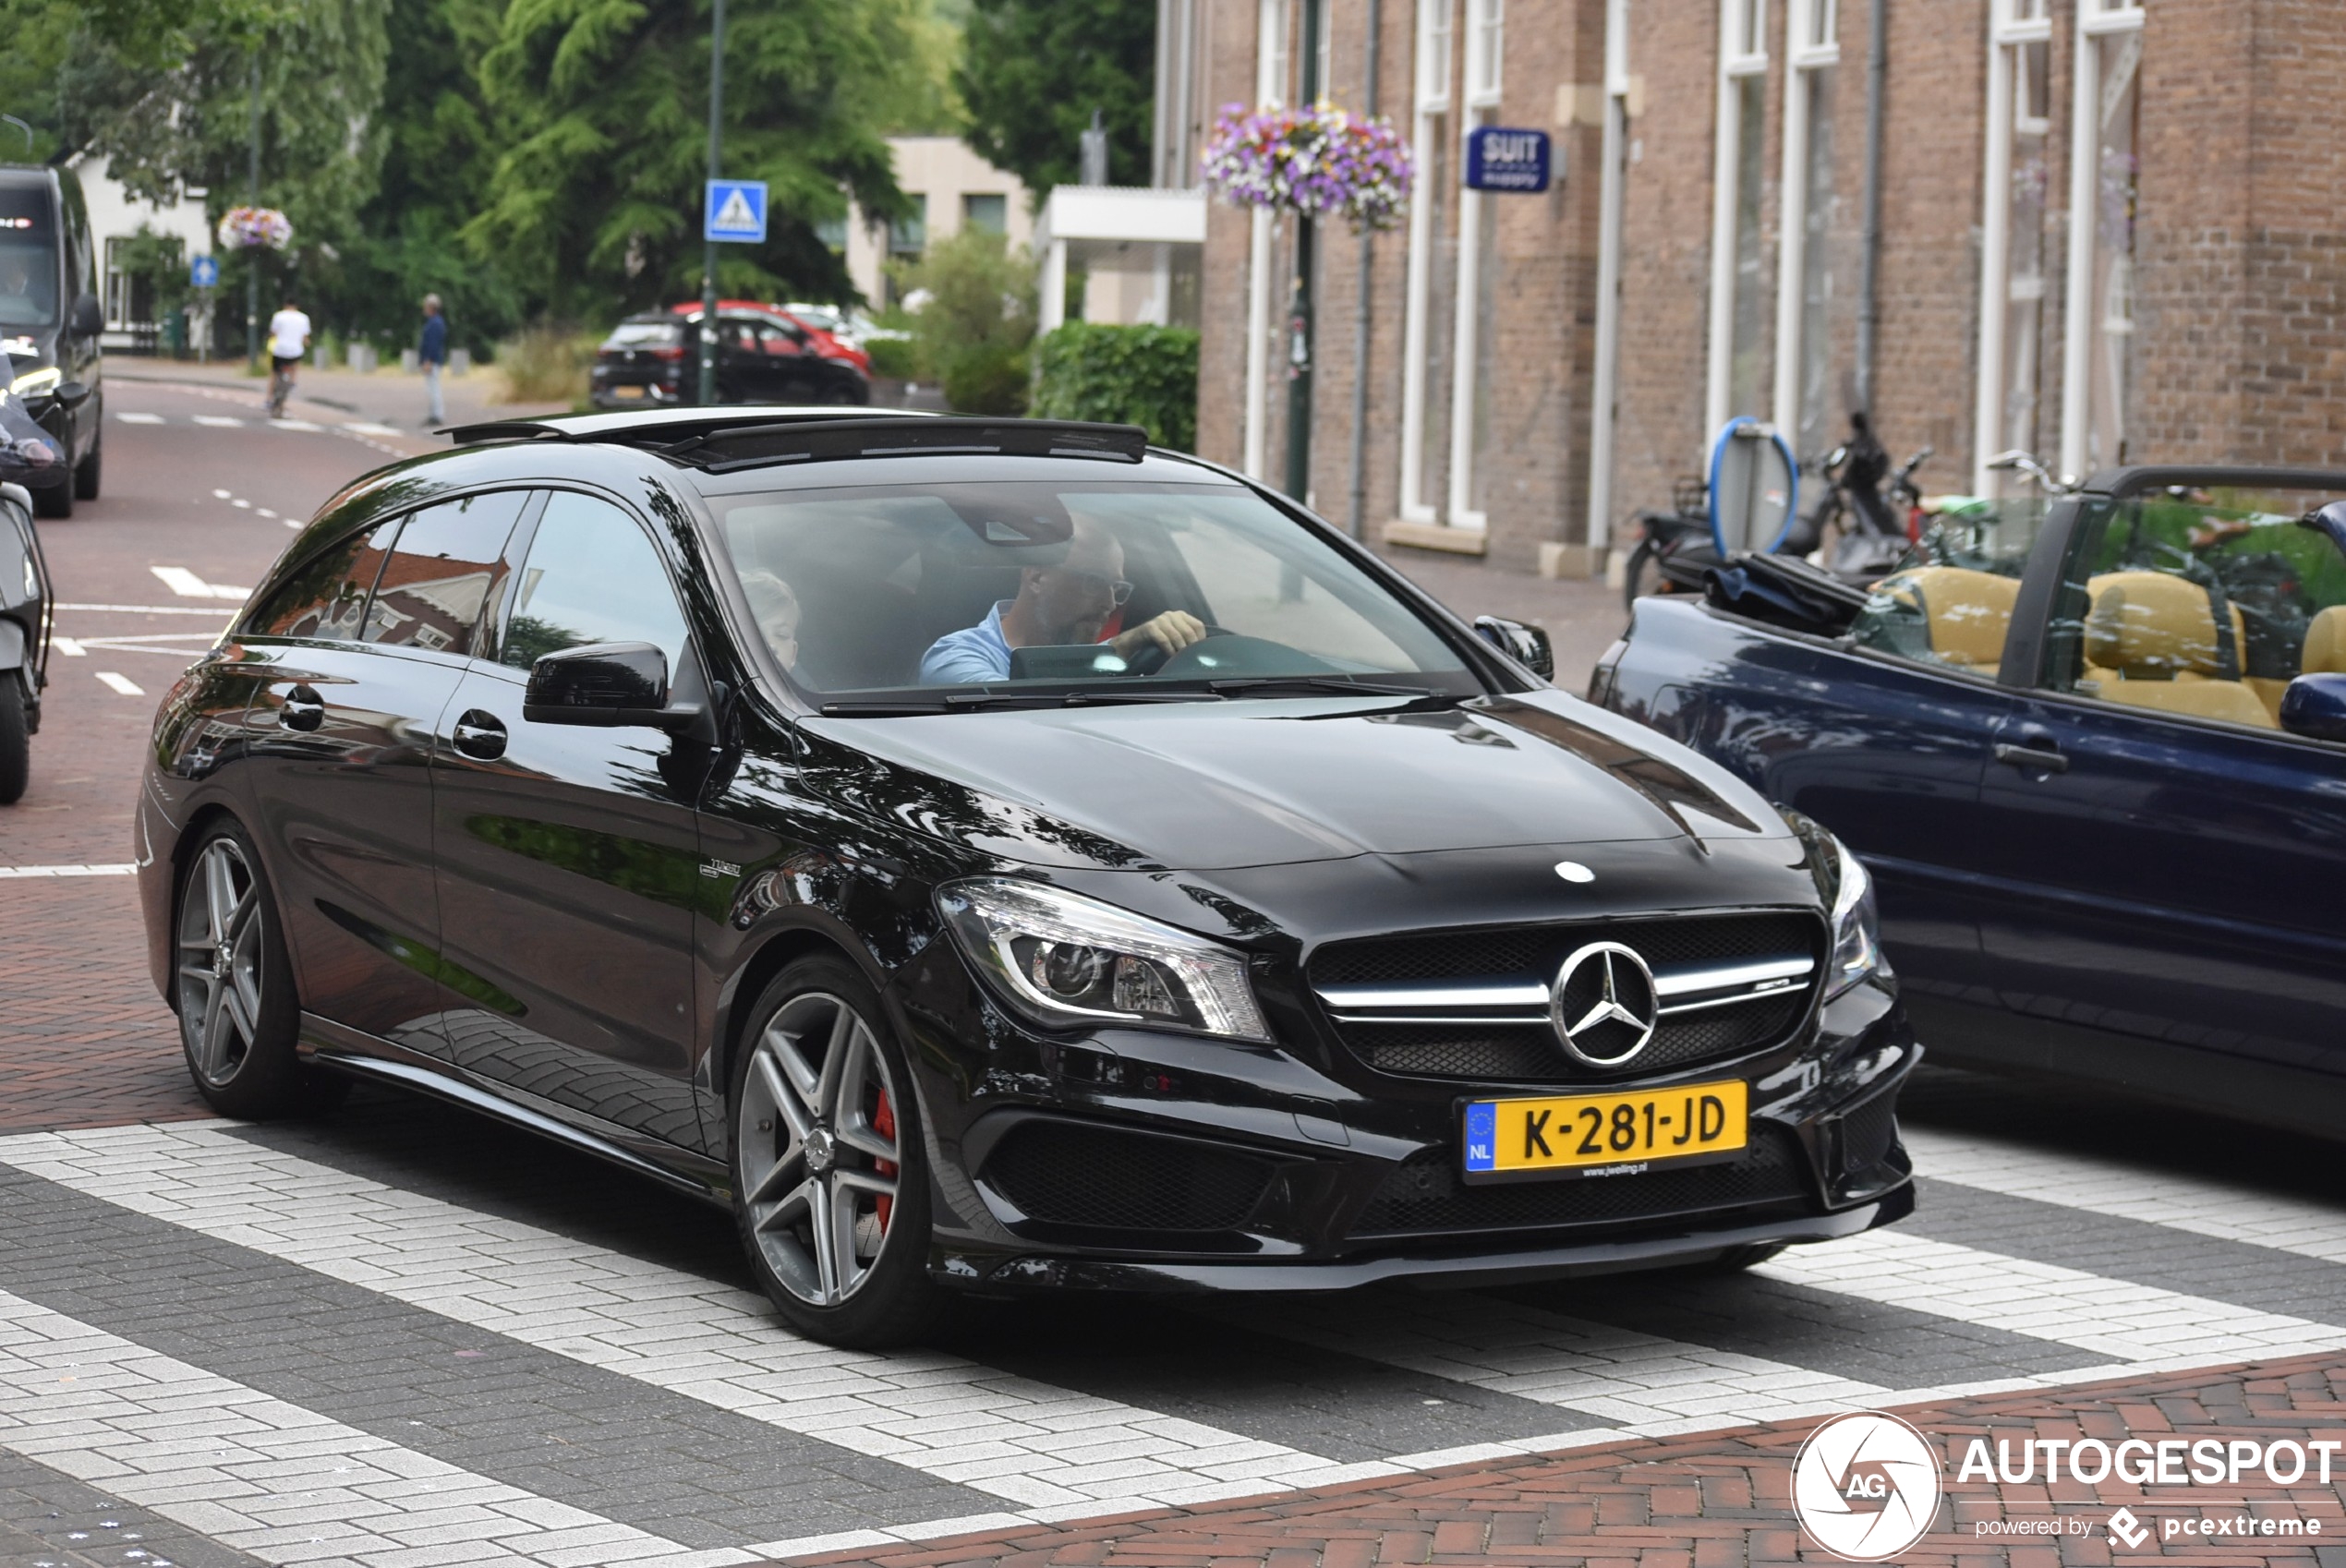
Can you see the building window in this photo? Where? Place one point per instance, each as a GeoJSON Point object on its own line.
{"type": "Point", "coordinates": [988, 214]}
{"type": "Point", "coordinates": [1429, 252]}
{"type": "Point", "coordinates": [1804, 276]}
{"type": "Point", "coordinates": [2097, 348]}
{"type": "Point", "coordinates": [2018, 179]}
{"type": "Point", "coordinates": [1736, 379]}
{"type": "Point", "coordinates": [908, 235]}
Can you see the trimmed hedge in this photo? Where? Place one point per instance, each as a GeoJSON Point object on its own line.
{"type": "Point", "coordinates": [1145, 376]}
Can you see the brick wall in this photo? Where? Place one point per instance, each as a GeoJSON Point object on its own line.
{"type": "Point", "coordinates": [2240, 278]}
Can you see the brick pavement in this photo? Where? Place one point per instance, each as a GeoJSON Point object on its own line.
{"type": "Point", "coordinates": [1719, 1500]}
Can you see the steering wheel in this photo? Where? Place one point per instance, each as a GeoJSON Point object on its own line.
{"type": "Point", "coordinates": [1152, 659]}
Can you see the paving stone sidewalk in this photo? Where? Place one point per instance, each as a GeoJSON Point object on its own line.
{"type": "Point", "coordinates": [1721, 1499]}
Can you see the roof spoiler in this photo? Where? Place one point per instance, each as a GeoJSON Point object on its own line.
{"type": "Point", "coordinates": [757, 437]}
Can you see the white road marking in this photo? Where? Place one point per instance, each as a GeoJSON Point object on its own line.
{"type": "Point", "coordinates": [293, 425]}
{"type": "Point", "coordinates": [220, 495]}
{"type": "Point", "coordinates": [68, 870]}
{"type": "Point", "coordinates": [121, 684]}
{"type": "Point", "coordinates": [219, 421]}
{"type": "Point", "coordinates": [140, 418]}
{"type": "Point", "coordinates": [70, 646]}
{"type": "Point", "coordinates": [2124, 1319]}
{"type": "Point", "coordinates": [265, 511]}
{"type": "Point", "coordinates": [2204, 1206]}
{"type": "Point", "coordinates": [368, 427]}
{"type": "Point", "coordinates": [241, 503]}
{"type": "Point", "coordinates": [293, 522]}
{"type": "Point", "coordinates": [1027, 1442]}
{"type": "Point", "coordinates": [186, 585]}
{"type": "Point", "coordinates": [269, 1477]}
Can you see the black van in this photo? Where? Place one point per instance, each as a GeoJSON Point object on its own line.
{"type": "Point", "coordinates": [50, 318]}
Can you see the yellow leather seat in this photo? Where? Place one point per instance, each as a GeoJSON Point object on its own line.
{"type": "Point", "coordinates": [1968, 612]}
{"type": "Point", "coordinates": [2150, 642]}
{"type": "Point", "coordinates": [2326, 643]}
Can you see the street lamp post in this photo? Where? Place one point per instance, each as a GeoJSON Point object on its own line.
{"type": "Point", "coordinates": [1299, 325]}
{"type": "Point", "coordinates": [707, 394]}
{"type": "Point", "coordinates": [252, 198]}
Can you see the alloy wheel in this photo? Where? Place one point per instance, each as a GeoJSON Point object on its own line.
{"type": "Point", "coordinates": [219, 967]}
{"type": "Point", "coordinates": [818, 1148]}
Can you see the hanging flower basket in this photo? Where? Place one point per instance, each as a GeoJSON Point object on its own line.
{"type": "Point", "coordinates": [255, 228]}
{"type": "Point", "coordinates": [1321, 161]}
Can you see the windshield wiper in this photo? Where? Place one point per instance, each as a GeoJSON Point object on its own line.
{"type": "Point", "coordinates": [972, 702]}
{"type": "Point", "coordinates": [1341, 685]}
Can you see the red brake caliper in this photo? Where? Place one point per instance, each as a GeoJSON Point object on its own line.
{"type": "Point", "coordinates": [884, 1123]}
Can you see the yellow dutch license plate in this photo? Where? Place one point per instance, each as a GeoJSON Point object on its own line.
{"type": "Point", "coordinates": [1605, 1134]}
{"type": "Point", "coordinates": [626, 392]}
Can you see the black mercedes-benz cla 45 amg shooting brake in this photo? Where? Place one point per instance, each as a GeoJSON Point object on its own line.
{"type": "Point", "coordinates": [997, 856]}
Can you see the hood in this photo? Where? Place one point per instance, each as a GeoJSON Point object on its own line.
{"type": "Point", "coordinates": [1271, 782]}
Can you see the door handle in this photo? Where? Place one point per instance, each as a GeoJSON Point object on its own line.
{"type": "Point", "coordinates": [2043, 758]}
{"type": "Point", "coordinates": [304, 709]}
{"type": "Point", "coordinates": [480, 735]}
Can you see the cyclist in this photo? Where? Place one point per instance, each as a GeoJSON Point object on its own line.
{"type": "Point", "coordinates": [289, 341]}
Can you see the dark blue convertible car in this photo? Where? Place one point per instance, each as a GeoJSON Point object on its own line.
{"type": "Point", "coordinates": [2095, 754]}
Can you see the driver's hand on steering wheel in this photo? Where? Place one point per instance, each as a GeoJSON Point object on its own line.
{"type": "Point", "coordinates": [1173, 631]}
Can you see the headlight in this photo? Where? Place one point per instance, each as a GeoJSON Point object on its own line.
{"type": "Point", "coordinates": [1856, 927]}
{"type": "Point", "coordinates": [36, 383]}
{"type": "Point", "coordinates": [1062, 958]}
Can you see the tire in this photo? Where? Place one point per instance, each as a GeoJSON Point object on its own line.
{"type": "Point", "coordinates": [820, 1100]}
{"type": "Point", "coordinates": [54, 501]}
{"type": "Point", "coordinates": [233, 988]}
{"type": "Point", "coordinates": [16, 740]}
{"type": "Point", "coordinates": [85, 473]}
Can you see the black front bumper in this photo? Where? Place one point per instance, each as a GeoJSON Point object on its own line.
{"type": "Point", "coordinates": [1132, 1159]}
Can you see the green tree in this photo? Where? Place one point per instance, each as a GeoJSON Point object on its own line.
{"type": "Point", "coordinates": [973, 331]}
{"type": "Point", "coordinates": [602, 106]}
{"type": "Point", "coordinates": [1033, 71]}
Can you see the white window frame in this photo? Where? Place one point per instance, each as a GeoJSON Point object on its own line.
{"type": "Point", "coordinates": [1436, 48]}
{"type": "Point", "coordinates": [1743, 52]}
{"type": "Point", "coordinates": [1271, 20]}
{"type": "Point", "coordinates": [2013, 26]}
{"type": "Point", "coordinates": [2096, 19]}
{"type": "Point", "coordinates": [1805, 23]}
{"type": "Point", "coordinates": [1486, 79]}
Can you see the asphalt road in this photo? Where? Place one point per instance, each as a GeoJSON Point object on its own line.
{"type": "Point", "coordinates": [402, 1337]}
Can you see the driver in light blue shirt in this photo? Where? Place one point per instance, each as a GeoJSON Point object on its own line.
{"type": "Point", "coordinates": [1057, 605]}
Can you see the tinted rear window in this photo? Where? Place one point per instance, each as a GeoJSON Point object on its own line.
{"type": "Point", "coordinates": [326, 596]}
{"type": "Point", "coordinates": [448, 561]}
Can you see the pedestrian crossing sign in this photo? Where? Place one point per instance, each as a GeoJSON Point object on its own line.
{"type": "Point", "coordinates": [735, 210]}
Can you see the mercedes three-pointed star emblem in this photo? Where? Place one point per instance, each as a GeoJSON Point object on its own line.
{"type": "Point", "coordinates": [1604, 984]}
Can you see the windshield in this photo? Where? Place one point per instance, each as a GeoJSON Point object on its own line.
{"type": "Point", "coordinates": [27, 259]}
{"type": "Point", "coordinates": [1091, 587]}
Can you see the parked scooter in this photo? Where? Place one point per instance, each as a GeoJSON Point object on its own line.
{"type": "Point", "coordinates": [27, 606]}
{"type": "Point", "coordinates": [1677, 549]}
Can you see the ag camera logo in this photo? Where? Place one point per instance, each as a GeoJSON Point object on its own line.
{"type": "Point", "coordinates": [1865, 1485]}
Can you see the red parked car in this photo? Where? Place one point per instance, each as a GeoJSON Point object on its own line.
{"type": "Point", "coordinates": [827, 342]}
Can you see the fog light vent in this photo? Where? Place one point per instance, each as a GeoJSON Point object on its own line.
{"type": "Point", "coordinates": [1105, 1179]}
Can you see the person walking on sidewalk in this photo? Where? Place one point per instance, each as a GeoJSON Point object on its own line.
{"type": "Point", "coordinates": [289, 341]}
{"type": "Point", "coordinates": [433, 355]}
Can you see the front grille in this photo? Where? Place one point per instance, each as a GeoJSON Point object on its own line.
{"type": "Point", "coordinates": [1867, 1132]}
{"type": "Point", "coordinates": [1530, 1053]}
{"type": "Point", "coordinates": [1425, 1197]}
{"type": "Point", "coordinates": [1541, 950]}
{"type": "Point", "coordinates": [1105, 1179]}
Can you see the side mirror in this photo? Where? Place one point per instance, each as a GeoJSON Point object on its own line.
{"type": "Point", "coordinates": [88, 316]}
{"type": "Point", "coordinates": [2315, 707]}
{"type": "Point", "coordinates": [69, 394]}
{"type": "Point", "coordinates": [604, 685]}
{"type": "Point", "coordinates": [1527, 646]}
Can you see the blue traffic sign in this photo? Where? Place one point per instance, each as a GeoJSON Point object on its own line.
{"type": "Point", "coordinates": [736, 209]}
{"type": "Point", "coordinates": [203, 272]}
{"type": "Point", "coordinates": [1500, 159]}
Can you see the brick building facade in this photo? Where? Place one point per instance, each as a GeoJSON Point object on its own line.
{"type": "Point", "coordinates": [2212, 271]}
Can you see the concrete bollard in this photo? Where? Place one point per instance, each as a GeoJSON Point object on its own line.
{"type": "Point", "coordinates": [408, 362]}
{"type": "Point", "coordinates": [360, 357]}
{"type": "Point", "coordinates": [460, 361]}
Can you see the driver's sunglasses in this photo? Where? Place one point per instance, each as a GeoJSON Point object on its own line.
{"type": "Point", "coordinates": [1118, 590]}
